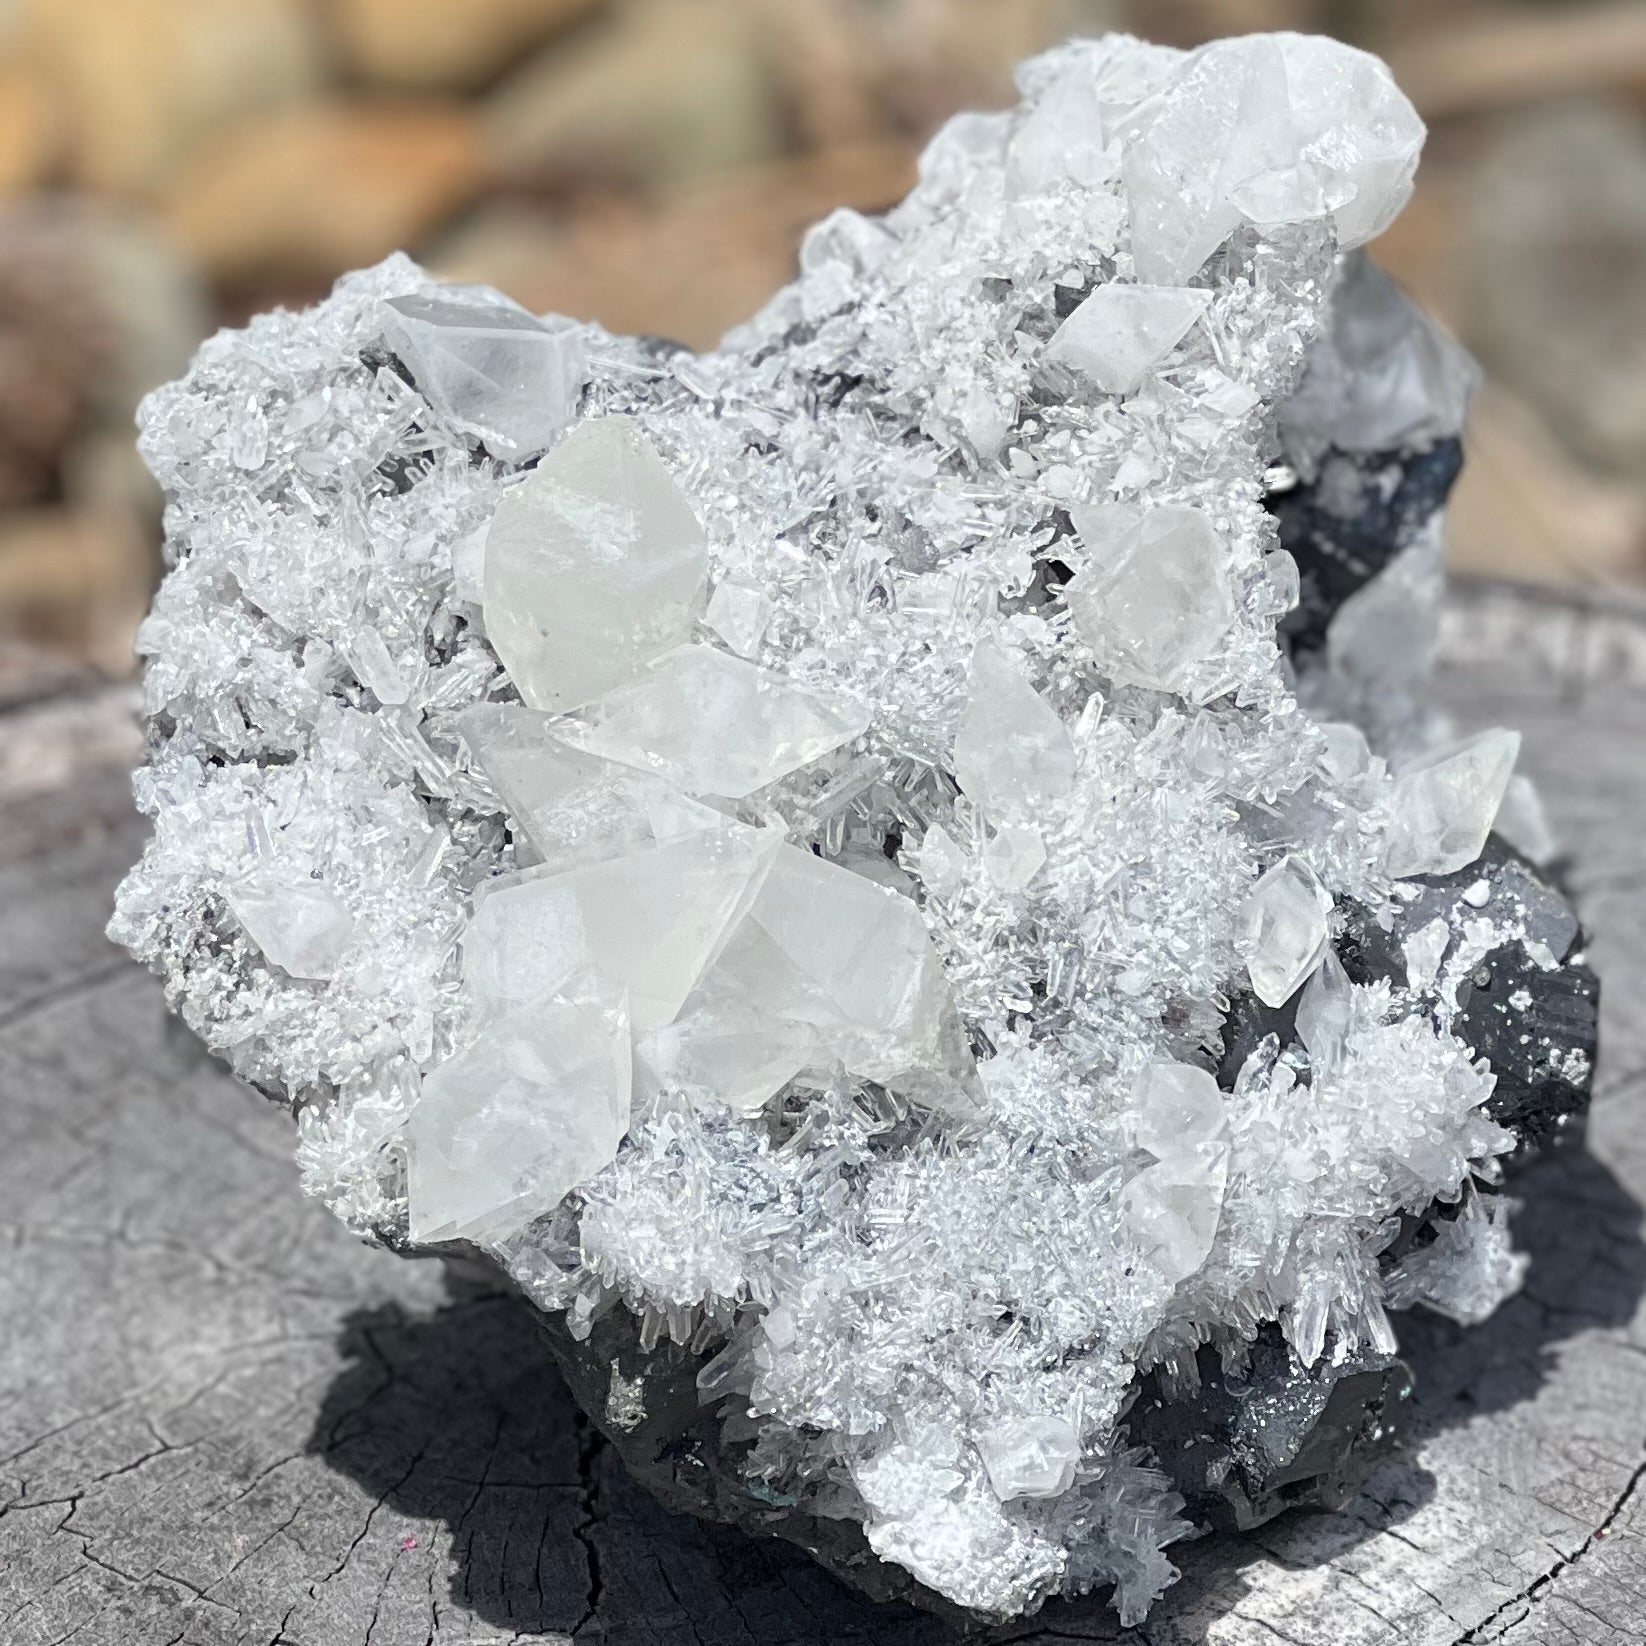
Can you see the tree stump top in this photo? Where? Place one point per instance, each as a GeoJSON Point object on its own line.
{"type": "Point", "coordinates": [224, 1423]}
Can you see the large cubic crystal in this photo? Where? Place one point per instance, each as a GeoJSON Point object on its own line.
{"type": "Point", "coordinates": [898, 876]}
{"type": "Point", "coordinates": [595, 566]}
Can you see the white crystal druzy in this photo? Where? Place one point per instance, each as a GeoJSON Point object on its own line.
{"type": "Point", "coordinates": [768, 840]}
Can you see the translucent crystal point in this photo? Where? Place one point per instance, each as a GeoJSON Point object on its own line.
{"type": "Point", "coordinates": [1173, 1207]}
{"type": "Point", "coordinates": [1382, 375]}
{"type": "Point", "coordinates": [574, 807]}
{"type": "Point", "coordinates": [1155, 599]}
{"type": "Point", "coordinates": [595, 566]}
{"type": "Point", "coordinates": [1013, 750]}
{"type": "Point", "coordinates": [503, 1130]}
{"type": "Point", "coordinates": [1324, 1012]}
{"type": "Point", "coordinates": [715, 724]}
{"type": "Point", "coordinates": [1122, 333]}
{"type": "Point", "coordinates": [1030, 1456]}
{"type": "Point", "coordinates": [1061, 142]}
{"type": "Point", "coordinates": [1283, 930]}
{"type": "Point", "coordinates": [828, 949]}
{"type": "Point", "coordinates": [739, 616]}
{"type": "Point", "coordinates": [723, 1052]}
{"type": "Point", "coordinates": [488, 367]}
{"type": "Point", "coordinates": [1444, 803]}
{"type": "Point", "coordinates": [302, 926]}
{"type": "Point", "coordinates": [1277, 128]}
{"type": "Point", "coordinates": [646, 923]}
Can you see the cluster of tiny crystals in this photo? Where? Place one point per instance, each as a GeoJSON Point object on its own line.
{"type": "Point", "coordinates": [766, 840]}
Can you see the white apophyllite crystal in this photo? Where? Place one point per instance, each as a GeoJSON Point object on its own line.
{"type": "Point", "coordinates": [645, 922]}
{"type": "Point", "coordinates": [1154, 599]}
{"type": "Point", "coordinates": [1062, 142]}
{"type": "Point", "coordinates": [714, 724]}
{"type": "Point", "coordinates": [1122, 333]}
{"type": "Point", "coordinates": [488, 367]}
{"type": "Point", "coordinates": [853, 963]}
{"type": "Point", "coordinates": [302, 926]}
{"type": "Point", "coordinates": [768, 844]}
{"type": "Point", "coordinates": [1172, 1207]}
{"type": "Point", "coordinates": [1324, 1012]}
{"type": "Point", "coordinates": [1283, 930]}
{"type": "Point", "coordinates": [739, 616]}
{"type": "Point", "coordinates": [595, 566]}
{"type": "Point", "coordinates": [1467, 1270]}
{"type": "Point", "coordinates": [1030, 1456]}
{"type": "Point", "coordinates": [1444, 803]}
{"type": "Point", "coordinates": [1013, 751]}
{"type": "Point", "coordinates": [1278, 128]}
{"type": "Point", "coordinates": [537, 1104]}
{"type": "Point", "coordinates": [574, 807]}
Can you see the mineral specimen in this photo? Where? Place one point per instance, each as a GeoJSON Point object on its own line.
{"type": "Point", "coordinates": [898, 876]}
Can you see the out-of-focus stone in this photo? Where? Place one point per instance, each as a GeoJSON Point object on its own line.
{"type": "Point", "coordinates": [138, 87]}
{"type": "Point", "coordinates": [75, 579]}
{"type": "Point", "coordinates": [444, 44]}
{"type": "Point", "coordinates": [310, 191]}
{"type": "Point", "coordinates": [659, 93]}
{"type": "Point", "coordinates": [641, 271]}
{"type": "Point", "coordinates": [31, 130]}
{"type": "Point", "coordinates": [1557, 301]}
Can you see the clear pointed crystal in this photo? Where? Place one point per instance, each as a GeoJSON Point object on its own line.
{"type": "Point", "coordinates": [488, 367]}
{"type": "Point", "coordinates": [1444, 803]}
{"type": "Point", "coordinates": [1283, 930]}
{"type": "Point", "coordinates": [648, 923]}
{"type": "Point", "coordinates": [1122, 333]}
{"type": "Point", "coordinates": [574, 807]}
{"type": "Point", "coordinates": [302, 926]}
{"type": "Point", "coordinates": [714, 724]}
{"type": "Point", "coordinates": [1155, 600]}
{"type": "Point", "coordinates": [1323, 1012]}
{"type": "Point", "coordinates": [1173, 1206]}
{"type": "Point", "coordinates": [1012, 751]}
{"type": "Point", "coordinates": [828, 949]}
{"type": "Point", "coordinates": [503, 1130]}
{"type": "Point", "coordinates": [595, 566]}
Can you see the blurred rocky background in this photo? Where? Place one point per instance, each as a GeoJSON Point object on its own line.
{"type": "Point", "coordinates": [168, 166]}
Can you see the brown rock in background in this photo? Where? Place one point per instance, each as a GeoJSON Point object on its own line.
{"type": "Point", "coordinates": [306, 193]}
{"type": "Point", "coordinates": [31, 132]}
{"type": "Point", "coordinates": [649, 94]}
{"type": "Point", "coordinates": [1557, 275]}
{"type": "Point", "coordinates": [429, 45]}
{"type": "Point", "coordinates": [76, 579]}
{"type": "Point", "coordinates": [704, 258]}
{"type": "Point", "coordinates": [139, 83]}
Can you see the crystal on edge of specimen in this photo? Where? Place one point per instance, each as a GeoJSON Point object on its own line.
{"type": "Point", "coordinates": [898, 876]}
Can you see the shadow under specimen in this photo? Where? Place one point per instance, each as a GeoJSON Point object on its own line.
{"type": "Point", "coordinates": [461, 1417]}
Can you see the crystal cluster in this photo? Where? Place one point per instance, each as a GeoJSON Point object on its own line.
{"type": "Point", "coordinates": [898, 876]}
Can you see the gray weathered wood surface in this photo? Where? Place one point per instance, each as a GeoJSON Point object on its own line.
{"type": "Point", "coordinates": [222, 1421]}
